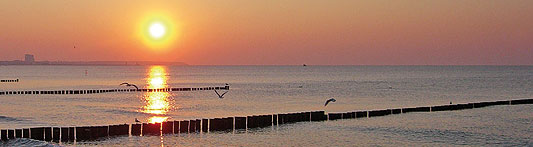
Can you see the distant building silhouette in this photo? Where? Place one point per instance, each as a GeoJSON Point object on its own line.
{"type": "Point", "coordinates": [29, 59]}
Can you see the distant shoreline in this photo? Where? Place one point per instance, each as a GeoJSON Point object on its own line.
{"type": "Point", "coordinates": [91, 63]}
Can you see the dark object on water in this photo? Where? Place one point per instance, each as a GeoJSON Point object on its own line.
{"type": "Point", "coordinates": [221, 95]}
{"type": "Point", "coordinates": [330, 100]}
{"type": "Point", "coordinates": [135, 129]}
{"type": "Point", "coordinates": [7, 81]}
{"type": "Point", "coordinates": [151, 129]}
{"type": "Point", "coordinates": [226, 86]}
{"type": "Point", "coordinates": [3, 135]}
{"type": "Point", "coordinates": [128, 84]}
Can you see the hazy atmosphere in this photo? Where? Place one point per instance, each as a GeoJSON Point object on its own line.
{"type": "Point", "coordinates": [344, 32]}
{"type": "Point", "coordinates": [266, 73]}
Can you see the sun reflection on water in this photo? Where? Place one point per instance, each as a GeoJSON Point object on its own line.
{"type": "Point", "coordinates": [157, 119]}
{"type": "Point", "coordinates": [157, 102]}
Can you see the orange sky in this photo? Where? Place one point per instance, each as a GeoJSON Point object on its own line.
{"type": "Point", "coordinates": [279, 32]}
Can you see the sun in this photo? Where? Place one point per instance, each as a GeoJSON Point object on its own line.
{"type": "Point", "coordinates": [157, 30]}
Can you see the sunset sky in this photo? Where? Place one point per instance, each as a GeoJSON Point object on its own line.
{"type": "Point", "coordinates": [273, 32]}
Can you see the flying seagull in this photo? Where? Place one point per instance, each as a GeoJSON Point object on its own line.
{"type": "Point", "coordinates": [128, 84]}
{"type": "Point", "coordinates": [137, 121]}
{"type": "Point", "coordinates": [330, 100]}
{"type": "Point", "coordinates": [219, 95]}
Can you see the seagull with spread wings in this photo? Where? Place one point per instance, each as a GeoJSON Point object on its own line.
{"type": "Point", "coordinates": [220, 95]}
{"type": "Point", "coordinates": [128, 84]}
{"type": "Point", "coordinates": [330, 100]}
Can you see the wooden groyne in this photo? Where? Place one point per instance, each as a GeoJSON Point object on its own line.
{"type": "Point", "coordinates": [226, 124]}
{"type": "Point", "coordinates": [95, 91]}
{"type": "Point", "coordinates": [9, 81]}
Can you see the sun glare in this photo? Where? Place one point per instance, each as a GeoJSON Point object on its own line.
{"type": "Point", "coordinates": [157, 102]}
{"type": "Point", "coordinates": [157, 31]}
{"type": "Point", "coordinates": [157, 119]}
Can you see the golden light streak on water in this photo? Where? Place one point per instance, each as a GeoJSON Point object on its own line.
{"type": "Point", "coordinates": [157, 119]}
{"type": "Point", "coordinates": [157, 77]}
{"type": "Point", "coordinates": [157, 102]}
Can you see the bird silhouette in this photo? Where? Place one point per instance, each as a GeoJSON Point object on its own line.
{"type": "Point", "coordinates": [137, 121]}
{"type": "Point", "coordinates": [220, 95]}
{"type": "Point", "coordinates": [128, 84]}
{"type": "Point", "coordinates": [330, 100]}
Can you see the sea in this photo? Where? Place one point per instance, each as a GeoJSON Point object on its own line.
{"type": "Point", "coordinates": [256, 90]}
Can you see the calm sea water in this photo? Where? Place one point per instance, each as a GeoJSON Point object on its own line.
{"type": "Point", "coordinates": [281, 89]}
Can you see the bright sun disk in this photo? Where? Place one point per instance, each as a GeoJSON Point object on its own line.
{"type": "Point", "coordinates": [157, 30]}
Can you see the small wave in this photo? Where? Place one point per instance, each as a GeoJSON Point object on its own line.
{"type": "Point", "coordinates": [26, 142]}
{"type": "Point", "coordinates": [123, 112]}
{"type": "Point", "coordinates": [6, 119]}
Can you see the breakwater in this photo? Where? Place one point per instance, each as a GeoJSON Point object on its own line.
{"type": "Point", "coordinates": [224, 124]}
{"type": "Point", "coordinates": [95, 91]}
{"type": "Point", "coordinates": [9, 81]}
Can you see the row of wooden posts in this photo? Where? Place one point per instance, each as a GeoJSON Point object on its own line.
{"type": "Point", "coordinates": [9, 81]}
{"type": "Point", "coordinates": [108, 90]}
{"type": "Point", "coordinates": [228, 124]}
